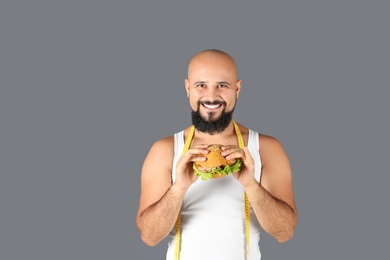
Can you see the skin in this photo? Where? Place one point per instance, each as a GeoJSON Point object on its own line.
{"type": "Point", "coordinates": [212, 75]}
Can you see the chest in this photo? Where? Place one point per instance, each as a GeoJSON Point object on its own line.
{"type": "Point", "coordinates": [222, 195]}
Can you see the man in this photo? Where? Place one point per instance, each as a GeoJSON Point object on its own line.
{"type": "Point", "coordinates": [212, 213]}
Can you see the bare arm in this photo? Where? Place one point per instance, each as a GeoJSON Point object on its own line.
{"type": "Point", "coordinates": [272, 199]}
{"type": "Point", "coordinates": [160, 199]}
{"type": "Point", "coordinates": [149, 220]}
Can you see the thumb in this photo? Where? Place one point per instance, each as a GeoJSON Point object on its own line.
{"type": "Point", "coordinates": [247, 155]}
{"type": "Point", "coordinates": [248, 159]}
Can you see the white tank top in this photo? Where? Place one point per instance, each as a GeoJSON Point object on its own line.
{"type": "Point", "coordinates": [213, 217]}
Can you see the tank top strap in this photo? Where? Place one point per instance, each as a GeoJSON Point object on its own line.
{"type": "Point", "coordinates": [254, 148]}
{"type": "Point", "coordinates": [178, 147]}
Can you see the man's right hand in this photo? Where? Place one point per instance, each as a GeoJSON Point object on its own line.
{"type": "Point", "coordinates": [185, 175]}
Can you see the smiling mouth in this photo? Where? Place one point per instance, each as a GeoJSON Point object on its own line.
{"type": "Point", "coordinates": [212, 106]}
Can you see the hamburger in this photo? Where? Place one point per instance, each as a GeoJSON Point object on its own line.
{"type": "Point", "coordinates": [215, 165]}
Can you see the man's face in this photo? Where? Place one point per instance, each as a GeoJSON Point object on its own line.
{"type": "Point", "coordinates": [212, 88]}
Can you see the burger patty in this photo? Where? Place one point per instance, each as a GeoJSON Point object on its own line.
{"type": "Point", "coordinates": [210, 168]}
{"type": "Point", "coordinates": [207, 169]}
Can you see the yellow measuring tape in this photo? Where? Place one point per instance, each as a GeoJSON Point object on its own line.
{"type": "Point", "coordinates": [177, 237]}
{"type": "Point", "coordinates": [246, 201]}
{"type": "Point", "coordinates": [247, 207]}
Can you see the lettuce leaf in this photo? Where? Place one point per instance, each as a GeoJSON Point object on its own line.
{"type": "Point", "coordinates": [220, 171]}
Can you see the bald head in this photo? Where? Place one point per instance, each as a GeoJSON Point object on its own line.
{"type": "Point", "coordinates": [212, 58]}
{"type": "Point", "coordinates": [212, 89]}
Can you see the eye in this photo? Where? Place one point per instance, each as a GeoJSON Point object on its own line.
{"type": "Point", "coordinates": [200, 85]}
{"type": "Point", "coordinates": [222, 86]}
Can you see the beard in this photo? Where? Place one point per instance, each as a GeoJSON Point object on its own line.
{"type": "Point", "coordinates": [211, 125]}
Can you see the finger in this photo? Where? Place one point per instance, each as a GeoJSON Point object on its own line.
{"type": "Point", "coordinates": [247, 156]}
{"type": "Point", "coordinates": [194, 154]}
{"type": "Point", "coordinates": [226, 147]}
{"type": "Point", "coordinates": [229, 149]}
{"type": "Point", "coordinates": [201, 150]}
{"type": "Point", "coordinates": [198, 159]}
{"type": "Point", "coordinates": [233, 153]}
{"type": "Point", "coordinates": [197, 150]}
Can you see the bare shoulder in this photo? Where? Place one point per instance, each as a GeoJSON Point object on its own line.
{"type": "Point", "coordinates": [156, 172]}
{"type": "Point", "coordinates": [160, 152]}
{"type": "Point", "coordinates": [276, 176]}
{"type": "Point", "coordinates": [270, 149]}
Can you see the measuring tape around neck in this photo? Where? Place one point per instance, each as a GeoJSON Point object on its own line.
{"type": "Point", "coordinates": [246, 201]}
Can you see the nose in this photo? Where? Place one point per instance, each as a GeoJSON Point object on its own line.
{"type": "Point", "coordinates": [212, 94]}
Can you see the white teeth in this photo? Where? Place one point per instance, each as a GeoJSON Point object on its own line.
{"type": "Point", "coordinates": [211, 106]}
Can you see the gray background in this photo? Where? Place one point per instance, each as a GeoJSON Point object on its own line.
{"type": "Point", "coordinates": [88, 86]}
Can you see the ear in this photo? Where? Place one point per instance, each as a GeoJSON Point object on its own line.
{"type": "Point", "coordinates": [238, 87]}
{"type": "Point", "coordinates": [187, 86]}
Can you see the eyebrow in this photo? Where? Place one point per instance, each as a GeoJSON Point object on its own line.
{"type": "Point", "coordinates": [223, 82]}
{"type": "Point", "coordinates": [200, 82]}
{"type": "Point", "coordinates": [218, 82]}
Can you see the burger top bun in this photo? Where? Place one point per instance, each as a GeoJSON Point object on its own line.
{"type": "Point", "coordinates": [214, 158]}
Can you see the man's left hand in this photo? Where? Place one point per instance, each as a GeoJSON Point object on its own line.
{"type": "Point", "coordinates": [246, 175]}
